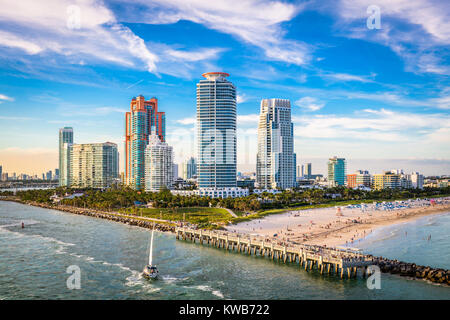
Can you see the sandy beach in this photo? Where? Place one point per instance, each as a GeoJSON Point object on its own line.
{"type": "Point", "coordinates": [334, 227]}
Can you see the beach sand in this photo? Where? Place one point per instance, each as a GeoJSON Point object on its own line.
{"type": "Point", "coordinates": [324, 227]}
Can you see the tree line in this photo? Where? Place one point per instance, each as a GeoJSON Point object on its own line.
{"type": "Point", "coordinates": [116, 198]}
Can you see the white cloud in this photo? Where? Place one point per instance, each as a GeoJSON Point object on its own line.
{"type": "Point", "coordinates": [348, 77]}
{"type": "Point", "coordinates": [194, 55]}
{"type": "Point", "coordinates": [256, 22]}
{"type": "Point", "coordinates": [4, 98]}
{"type": "Point", "coordinates": [416, 30]}
{"type": "Point", "coordinates": [186, 121]}
{"type": "Point", "coordinates": [44, 27]}
{"type": "Point", "coordinates": [383, 125]}
{"type": "Point", "coordinates": [309, 103]}
{"type": "Point", "coordinates": [240, 98]}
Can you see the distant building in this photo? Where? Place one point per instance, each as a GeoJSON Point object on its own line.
{"type": "Point", "coordinates": [351, 180]}
{"type": "Point", "coordinates": [300, 171]}
{"type": "Point", "coordinates": [140, 122]}
{"type": "Point", "coordinates": [175, 172]}
{"type": "Point", "coordinates": [388, 179]}
{"type": "Point", "coordinates": [48, 175]}
{"type": "Point", "coordinates": [158, 165]}
{"type": "Point", "coordinates": [189, 168]}
{"type": "Point", "coordinates": [336, 172]}
{"type": "Point", "coordinates": [5, 176]}
{"type": "Point", "coordinates": [1, 171]}
{"type": "Point", "coordinates": [214, 192]}
{"type": "Point", "coordinates": [276, 160]}
{"type": "Point", "coordinates": [417, 180]}
{"type": "Point", "coordinates": [65, 140]}
{"type": "Point", "coordinates": [358, 179]}
{"type": "Point", "coordinates": [94, 165]}
{"type": "Point", "coordinates": [246, 183]}
{"type": "Point", "coordinates": [308, 170]}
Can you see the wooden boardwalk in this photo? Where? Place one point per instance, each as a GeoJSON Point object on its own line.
{"type": "Point", "coordinates": [340, 262]}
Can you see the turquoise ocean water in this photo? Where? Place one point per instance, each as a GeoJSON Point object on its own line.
{"type": "Point", "coordinates": [33, 262]}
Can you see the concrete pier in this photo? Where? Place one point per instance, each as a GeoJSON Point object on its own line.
{"type": "Point", "coordinates": [326, 260]}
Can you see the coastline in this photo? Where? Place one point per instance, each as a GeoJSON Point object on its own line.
{"type": "Point", "coordinates": [435, 275]}
{"type": "Point", "coordinates": [356, 232]}
{"type": "Point", "coordinates": [143, 222]}
{"type": "Point", "coordinates": [324, 227]}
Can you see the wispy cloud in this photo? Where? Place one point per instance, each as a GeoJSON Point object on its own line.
{"type": "Point", "coordinates": [97, 38]}
{"type": "Point", "coordinates": [256, 22]}
{"type": "Point", "coordinates": [348, 77]}
{"type": "Point", "coordinates": [309, 104]}
{"type": "Point", "coordinates": [186, 121]}
{"type": "Point", "coordinates": [416, 30]}
{"type": "Point", "coordinates": [4, 98]}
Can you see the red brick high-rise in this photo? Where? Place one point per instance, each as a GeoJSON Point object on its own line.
{"type": "Point", "coordinates": [142, 120]}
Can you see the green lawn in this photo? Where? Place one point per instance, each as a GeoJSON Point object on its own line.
{"type": "Point", "coordinates": [196, 215]}
{"type": "Point", "coordinates": [263, 213]}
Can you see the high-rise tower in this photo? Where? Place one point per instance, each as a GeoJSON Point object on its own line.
{"type": "Point", "coordinates": [337, 172]}
{"type": "Point", "coordinates": [142, 119]}
{"type": "Point", "coordinates": [65, 140]}
{"type": "Point", "coordinates": [216, 131]}
{"type": "Point", "coordinates": [275, 160]}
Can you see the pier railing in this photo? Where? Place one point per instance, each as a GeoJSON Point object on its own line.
{"type": "Point", "coordinates": [326, 260]}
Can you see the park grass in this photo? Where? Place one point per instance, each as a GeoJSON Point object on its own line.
{"type": "Point", "coordinates": [263, 213]}
{"type": "Point", "coordinates": [207, 218]}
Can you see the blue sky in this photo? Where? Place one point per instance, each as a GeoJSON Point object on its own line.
{"type": "Point", "coordinates": [379, 97]}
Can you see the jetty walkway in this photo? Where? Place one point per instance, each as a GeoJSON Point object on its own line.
{"type": "Point", "coordinates": [340, 262]}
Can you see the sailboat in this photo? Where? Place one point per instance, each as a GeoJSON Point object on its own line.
{"type": "Point", "coordinates": [150, 271]}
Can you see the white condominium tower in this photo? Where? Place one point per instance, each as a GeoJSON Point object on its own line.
{"type": "Point", "coordinates": [275, 160]}
{"type": "Point", "coordinates": [216, 135]}
{"type": "Point", "coordinates": [65, 140]}
{"type": "Point", "coordinates": [158, 165]}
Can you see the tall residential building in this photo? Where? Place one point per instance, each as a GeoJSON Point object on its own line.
{"type": "Point", "coordinates": [142, 119]}
{"type": "Point", "coordinates": [216, 131]}
{"type": "Point", "coordinates": [336, 172]}
{"type": "Point", "coordinates": [65, 139]}
{"type": "Point", "coordinates": [388, 179]}
{"type": "Point", "coordinates": [189, 168]}
{"type": "Point", "coordinates": [1, 171]}
{"type": "Point", "coordinates": [94, 165]}
{"type": "Point", "coordinates": [275, 160]}
{"type": "Point", "coordinates": [175, 171]}
{"type": "Point", "coordinates": [308, 170]}
{"type": "Point", "coordinates": [300, 171]}
{"type": "Point", "coordinates": [158, 165]}
{"type": "Point", "coordinates": [417, 180]}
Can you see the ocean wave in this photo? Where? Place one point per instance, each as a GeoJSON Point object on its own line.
{"type": "Point", "coordinates": [207, 288]}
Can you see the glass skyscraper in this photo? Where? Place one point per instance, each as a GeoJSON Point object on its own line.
{"type": "Point", "coordinates": [142, 119]}
{"type": "Point", "coordinates": [337, 172]}
{"type": "Point", "coordinates": [275, 160]}
{"type": "Point", "coordinates": [216, 131]}
{"type": "Point", "coordinates": [65, 140]}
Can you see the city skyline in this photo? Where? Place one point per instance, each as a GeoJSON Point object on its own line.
{"type": "Point", "coordinates": [346, 100]}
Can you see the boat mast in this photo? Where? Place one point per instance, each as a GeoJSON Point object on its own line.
{"type": "Point", "coordinates": [150, 258]}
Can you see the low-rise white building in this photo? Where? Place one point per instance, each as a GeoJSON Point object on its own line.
{"type": "Point", "coordinates": [214, 192]}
